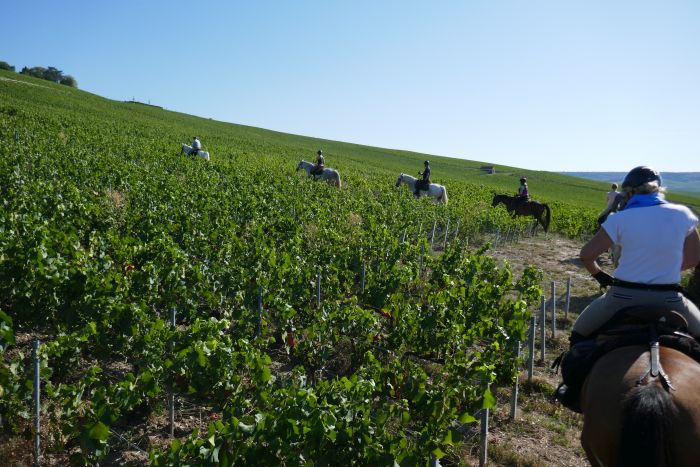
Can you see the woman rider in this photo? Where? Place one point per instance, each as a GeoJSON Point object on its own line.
{"type": "Point", "coordinates": [196, 146]}
{"type": "Point", "coordinates": [320, 164]}
{"type": "Point", "coordinates": [659, 240]}
{"type": "Point", "coordinates": [523, 192]}
{"type": "Point", "coordinates": [425, 183]}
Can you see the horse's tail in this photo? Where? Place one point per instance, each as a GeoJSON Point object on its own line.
{"type": "Point", "coordinates": [337, 179]}
{"type": "Point", "coordinates": [647, 415]}
{"type": "Point", "coordinates": [444, 196]}
{"type": "Point", "coordinates": [548, 216]}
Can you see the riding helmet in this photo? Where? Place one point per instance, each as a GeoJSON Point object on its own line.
{"type": "Point", "coordinates": [641, 175]}
{"type": "Point", "coordinates": [319, 152]}
{"type": "Point", "coordinates": [523, 180]}
{"type": "Point", "coordinates": [426, 163]}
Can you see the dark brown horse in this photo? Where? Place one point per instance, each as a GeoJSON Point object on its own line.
{"type": "Point", "coordinates": [519, 207]}
{"type": "Point", "coordinates": [634, 419]}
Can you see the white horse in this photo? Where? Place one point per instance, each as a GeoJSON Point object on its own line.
{"type": "Point", "coordinates": [187, 149]}
{"type": "Point", "coordinates": [330, 175]}
{"type": "Point", "coordinates": [438, 192]}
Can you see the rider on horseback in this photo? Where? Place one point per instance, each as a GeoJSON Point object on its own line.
{"type": "Point", "coordinates": [425, 183]}
{"type": "Point", "coordinates": [320, 164]}
{"type": "Point", "coordinates": [659, 240]}
{"type": "Point", "coordinates": [523, 193]}
{"type": "Point", "coordinates": [612, 194]}
{"type": "Point", "coordinates": [196, 146]}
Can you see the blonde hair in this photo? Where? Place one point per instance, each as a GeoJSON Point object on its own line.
{"type": "Point", "coordinates": [646, 188]}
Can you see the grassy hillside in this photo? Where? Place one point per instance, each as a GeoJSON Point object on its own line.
{"type": "Point", "coordinates": [131, 123]}
{"type": "Point", "coordinates": [227, 142]}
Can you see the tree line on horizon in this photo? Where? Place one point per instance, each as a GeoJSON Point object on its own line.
{"type": "Point", "coordinates": [47, 73]}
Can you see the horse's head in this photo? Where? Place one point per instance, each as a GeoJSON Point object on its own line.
{"type": "Point", "coordinates": [399, 180]}
{"type": "Point", "coordinates": [496, 200]}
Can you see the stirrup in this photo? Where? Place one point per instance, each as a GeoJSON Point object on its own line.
{"type": "Point", "coordinates": [568, 398]}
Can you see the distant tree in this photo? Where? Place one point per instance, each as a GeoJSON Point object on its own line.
{"type": "Point", "coordinates": [6, 66]}
{"type": "Point", "coordinates": [53, 74]}
{"type": "Point", "coordinates": [35, 71]}
{"type": "Point", "coordinates": [68, 80]}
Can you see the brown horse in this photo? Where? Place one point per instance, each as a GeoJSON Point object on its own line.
{"type": "Point", "coordinates": [519, 207]}
{"type": "Point", "coordinates": [634, 419]}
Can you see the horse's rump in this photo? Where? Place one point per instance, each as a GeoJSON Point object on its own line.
{"type": "Point", "coordinates": [632, 418]}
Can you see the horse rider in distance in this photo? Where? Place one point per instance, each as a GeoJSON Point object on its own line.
{"type": "Point", "coordinates": [320, 164]}
{"type": "Point", "coordinates": [523, 193]}
{"type": "Point", "coordinates": [196, 146]}
{"type": "Point", "coordinates": [425, 183]}
{"type": "Point", "coordinates": [610, 196]}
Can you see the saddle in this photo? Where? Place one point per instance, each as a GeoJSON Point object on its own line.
{"type": "Point", "coordinates": [631, 326]}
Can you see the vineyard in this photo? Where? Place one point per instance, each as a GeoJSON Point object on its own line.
{"type": "Point", "coordinates": [309, 324]}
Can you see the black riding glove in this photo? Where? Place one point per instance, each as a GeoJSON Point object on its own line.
{"type": "Point", "coordinates": [603, 278]}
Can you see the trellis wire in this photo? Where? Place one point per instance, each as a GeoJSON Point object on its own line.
{"type": "Point", "coordinates": [37, 402]}
{"type": "Point", "coordinates": [362, 279]}
{"type": "Point", "coordinates": [484, 442]}
{"type": "Point", "coordinates": [171, 395]}
{"type": "Point", "coordinates": [318, 290]}
{"type": "Point", "coordinates": [260, 311]}
{"type": "Point", "coordinates": [422, 253]}
{"type": "Point", "coordinates": [568, 298]}
{"type": "Point", "coordinates": [514, 395]}
{"type": "Point", "coordinates": [531, 349]}
{"type": "Point", "coordinates": [543, 325]}
{"type": "Point", "coordinates": [447, 229]}
{"type": "Point", "coordinates": [554, 310]}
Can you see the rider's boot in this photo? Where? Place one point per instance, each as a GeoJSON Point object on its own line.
{"type": "Point", "coordinates": [575, 365]}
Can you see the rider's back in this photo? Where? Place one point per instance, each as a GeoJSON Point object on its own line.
{"type": "Point", "coordinates": [652, 241]}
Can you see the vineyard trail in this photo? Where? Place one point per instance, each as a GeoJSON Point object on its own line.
{"type": "Point", "coordinates": [543, 433]}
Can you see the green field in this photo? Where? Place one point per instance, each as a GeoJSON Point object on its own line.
{"type": "Point", "coordinates": [106, 230]}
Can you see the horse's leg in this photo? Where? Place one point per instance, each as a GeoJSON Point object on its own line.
{"type": "Point", "coordinates": [540, 220]}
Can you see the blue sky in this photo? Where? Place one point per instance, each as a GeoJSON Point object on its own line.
{"type": "Point", "coordinates": [548, 85]}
